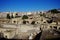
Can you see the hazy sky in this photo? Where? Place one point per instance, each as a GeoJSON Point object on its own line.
{"type": "Point", "coordinates": [28, 5]}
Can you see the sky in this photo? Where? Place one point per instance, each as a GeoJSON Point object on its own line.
{"type": "Point", "coordinates": [28, 5]}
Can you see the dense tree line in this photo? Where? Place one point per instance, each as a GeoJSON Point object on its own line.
{"type": "Point", "coordinates": [54, 11]}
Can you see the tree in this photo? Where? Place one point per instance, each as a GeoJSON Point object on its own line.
{"type": "Point", "coordinates": [25, 17]}
{"type": "Point", "coordinates": [8, 16]}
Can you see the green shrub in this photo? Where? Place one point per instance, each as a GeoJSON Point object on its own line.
{"type": "Point", "coordinates": [25, 17]}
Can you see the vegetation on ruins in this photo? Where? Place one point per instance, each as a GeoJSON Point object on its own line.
{"type": "Point", "coordinates": [25, 17]}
